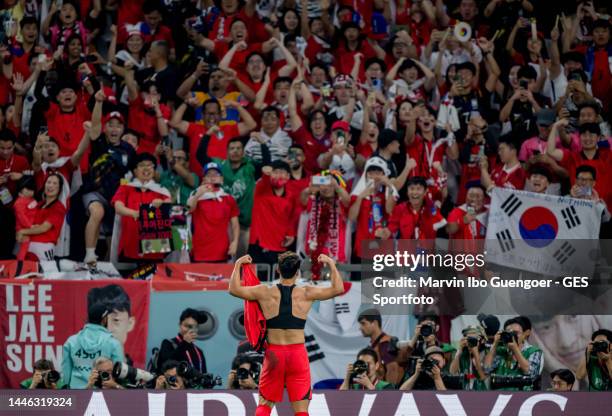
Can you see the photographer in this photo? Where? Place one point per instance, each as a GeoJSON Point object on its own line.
{"type": "Point", "coordinates": [44, 377]}
{"type": "Point", "coordinates": [101, 377]}
{"type": "Point", "coordinates": [169, 379]}
{"type": "Point", "coordinates": [512, 357]}
{"type": "Point", "coordinates": [469, 357]}
{"type": "Point", "coordinates": [244, 374]}
{"type": "Point", "coordinates": [428, 372]}
{"type": "Point", "coordinates": [362, 374]}
{"type": "Point", "coordinates": [597, 362]}
{"type": "Point", "coordinates": [424, 336]}
{"type": "Point", "coordinates": [562, 380]}
{"type": "Point", "coordinates": [182, 347]}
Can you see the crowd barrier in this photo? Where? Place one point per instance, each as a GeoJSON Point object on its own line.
{"type": "Point", "coordinates": [324, 403]}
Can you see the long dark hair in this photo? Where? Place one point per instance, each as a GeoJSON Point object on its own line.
{"type": "Point", "coordinates": [41, 193]}
{"type": "Point", "coordinates": [284, 29]}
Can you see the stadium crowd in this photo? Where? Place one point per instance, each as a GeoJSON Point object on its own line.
{"type": "Point", "coordinates": [309, 125]}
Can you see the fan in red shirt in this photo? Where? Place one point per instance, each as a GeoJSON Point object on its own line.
{"type": "Point", "coordinates": [48, 221]}
{"type": "Point", "coordinates": [27, 47]}
{"type": "Point", "coordinates": [372, 201]}
{"type": "Point", "coordinates": [153, 28]}
{"type": "Point", "coordinates": [350, 45]}
{"type": "Point", "coordinates": [147, 116]}
{"type": "Point", "coordinates": [273, 225]}
{"type": "Point", "coordinates": [468, 223]}
{"type": "Point", "coordinates": [509, 173]}
{"type": "Point", "coordinates": [590, 155]}
{"type": "Point", "coordinates": [220, 134]}
{"type": "Point", "coordinates": [12, 167]}
{"type": "Point", "coordinates": [418, 218]}
{"type": "Point", "coordinates": [65, 119]}
{"type": "Point", "coordinates": [213, 211]}
{"type": "Point", "coordinates": [127, 201]}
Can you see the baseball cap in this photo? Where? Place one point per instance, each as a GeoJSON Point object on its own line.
{"type": "Point", "coordinates": [490, 323]}
{"type": "Point", "coordinates": [212, 165]}
{"type": "Point", "coordinates": [114, 114]}
{"type": "Point", "coordinates": [433, 350]}
{"type": "Point", "coordinates": [546, 117]}
{"type": "Point", "coordinates": [341, 125]}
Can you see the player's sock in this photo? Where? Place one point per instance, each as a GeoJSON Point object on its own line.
{"type": "Point", "coordinates": [301, 414]}
{"type": "Point", "coordinates": [263, 410]}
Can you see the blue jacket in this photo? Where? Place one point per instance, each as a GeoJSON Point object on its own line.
{"type": "Point", "coordinates": [81, 350]}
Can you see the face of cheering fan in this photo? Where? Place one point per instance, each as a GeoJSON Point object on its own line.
{"type": "Point", "coordinates": [475, 198]}
{"type": "Point", "coordinates": [52, 186]}
{"type": "Point", "coordinates": [144, 171]}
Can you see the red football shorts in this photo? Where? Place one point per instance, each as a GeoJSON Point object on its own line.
{"type": "Point", "coordinates": [285, 365]}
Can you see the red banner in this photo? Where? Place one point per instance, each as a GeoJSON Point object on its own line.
{"type": "Point", "coordinates": [37, 317]}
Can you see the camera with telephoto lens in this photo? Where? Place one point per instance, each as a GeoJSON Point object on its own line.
{"type": "Point", "coordinates": [102, 377]}
{"type": "Point", "coordinates": [133, 376]}
{"type": "Point", "coordinates": [428, 364]}
{"type": "Point", "coordinates": [472, 342]}
{"type": "Point", "coordinates": [507, 337]}
{"type": "Point", "coordinates": [195, 378]}
{"type": "Point", "coordinates": [359, 367]}
{"type": "Point", "coordinates": [426, 330]}
{"type": "Point", "coordinates": [498, 381]}
{"type": "Point", "coordinates": [600, 346]}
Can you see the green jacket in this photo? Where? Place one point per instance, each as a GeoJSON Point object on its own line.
{"type": "Point", "coordinates": [465, 368]}
{"type": "Point", "coordinates": [509, 367]}
{"type": "Point", "coordinates": [27, 383]}
{"type": "Point", "coordinates": [240, 183]}
{"type": "Point", "coordinates": [380, 385]}
{"type": "Point", "coordinates": [179, 190]}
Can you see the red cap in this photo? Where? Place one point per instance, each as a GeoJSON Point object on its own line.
{"type": "Point", "coordinates": [114, 114]}
{"type": "Point", "coordinates": [341, 125]}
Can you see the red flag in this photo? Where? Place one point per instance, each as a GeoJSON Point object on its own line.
{"type": "Point", "coordinates": [254, 320]}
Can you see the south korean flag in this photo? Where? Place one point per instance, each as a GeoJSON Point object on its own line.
{"type": "Point", "coordinates": [541, 233]}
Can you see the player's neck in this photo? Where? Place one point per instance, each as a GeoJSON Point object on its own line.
{"type": "Point", "coordinates": [288, 282]}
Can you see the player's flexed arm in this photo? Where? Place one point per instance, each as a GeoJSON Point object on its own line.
{"type": "Point", "coordinates": [235, 285]}
{"type": "Point", "coordinates": [324, 293]}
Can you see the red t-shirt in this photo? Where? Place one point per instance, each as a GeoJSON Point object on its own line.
{"type": "Point", "coordinates": [24, 212]}
{"type": "Point", "coordinates": [211, 219]}
{"type": "Point", "coordinates": [129, 12]}
{"type": "Point", "coordinates": [312, 147]}
{"type": "Point", "coordinates": [273, 216]}
{"type": "Point", "coordinates": [514, 178]}
{"type": "Point", "coordinates": [15, 163]}
{"type": "Point", "coordinates": [145, 123]}
{"type": "Point", "coordinates": [163, 33]}
{"type": "Point", "coordinates": [217, 146]}
{"type": "Point", "coordinates": [475, 230]}
{"type": "Point", "coordinates": [425, 153]}
{"type": "Point", "coordinates": [418, 225]}
{"type": "Point", "coordinates": [65, 170]}
{"type": "Point", "coordinates": [67, 129]}
{"type": "Point", "coordinates": [133, 198]}
{"type": "Point", "coordinates": [366, 225]}
{"type": "Point", "coordinates": [345, 58]}
{"type": "Point", "coordinates": [53, 214]}
{"type": "Point", "coordinates": [602, 162]}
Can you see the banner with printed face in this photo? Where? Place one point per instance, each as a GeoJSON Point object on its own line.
{"type": "Point", "coordinates": [542, 233]}
{"type": "Point", "coordinates": [36, 318]}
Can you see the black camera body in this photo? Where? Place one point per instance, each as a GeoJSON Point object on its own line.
{"type": "Point", "coordinates": [507, 337]}
{"type": "Point", "coordinates": [242, 373]}
{"type": "Point", "coordinates": [472, 342]}
{"type": "Point", "coordinates": [428, 364]}
{"type": "Point", "coordinates": [359, 367]}
{"type": "Point", "coordinates": [426, 330]}
{"type": "Point", "coordinates": [195, 378]}
{"type": "Point", "coordinates": [48, 377]}
{"type": "Point", "coordinates": [600, 346]}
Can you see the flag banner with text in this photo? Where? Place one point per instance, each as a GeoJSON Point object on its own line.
{"type": "Point", "coordinates": [37, 317]}
{"type": "Point", "coordinates": [534, 232]}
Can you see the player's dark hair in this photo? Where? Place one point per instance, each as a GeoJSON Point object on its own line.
{"type": "Point", "coordinates": [114, 296]}
{"type": "Point", "coordinates": [288, 264]}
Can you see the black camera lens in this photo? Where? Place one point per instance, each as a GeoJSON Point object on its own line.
{"type": "Point", "coordinates": [428, 364]}
{"type": "Point", "coordinates": [600, 346]}
{"type": "Point", "coordinates": [426, 330]}
{"type": "Point", "coordinates": [104, 375]}
{"type": "Point", "coordinates": [472, 342]}
{"type": "Point", "coordinates": [52, 376]}
{"type": "Point", "coordinates": [242, 373]}
{"type": "Point", "coordinates": [507, 337]}
{"type": "Point", "coordinates": [171, 380]}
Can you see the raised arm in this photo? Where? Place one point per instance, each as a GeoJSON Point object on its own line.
{"type": "Point", "coordinates": [551, 144]}
{"type": "Point", "coordinates": [296, 121]}
{"type": "Point", "coordinates": [235, 285]}
{"type": "Point", "coordinates": [336, 288]}
{"type": "Point", "coordinates": [96, 115]}
{"type": "Point", "coordinates": [83, 145]}
{"type": "Point", "coordinates": [247, 122]}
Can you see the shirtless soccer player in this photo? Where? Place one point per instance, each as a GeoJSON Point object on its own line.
{"type": "Point", "coordinates": [285, 308]}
